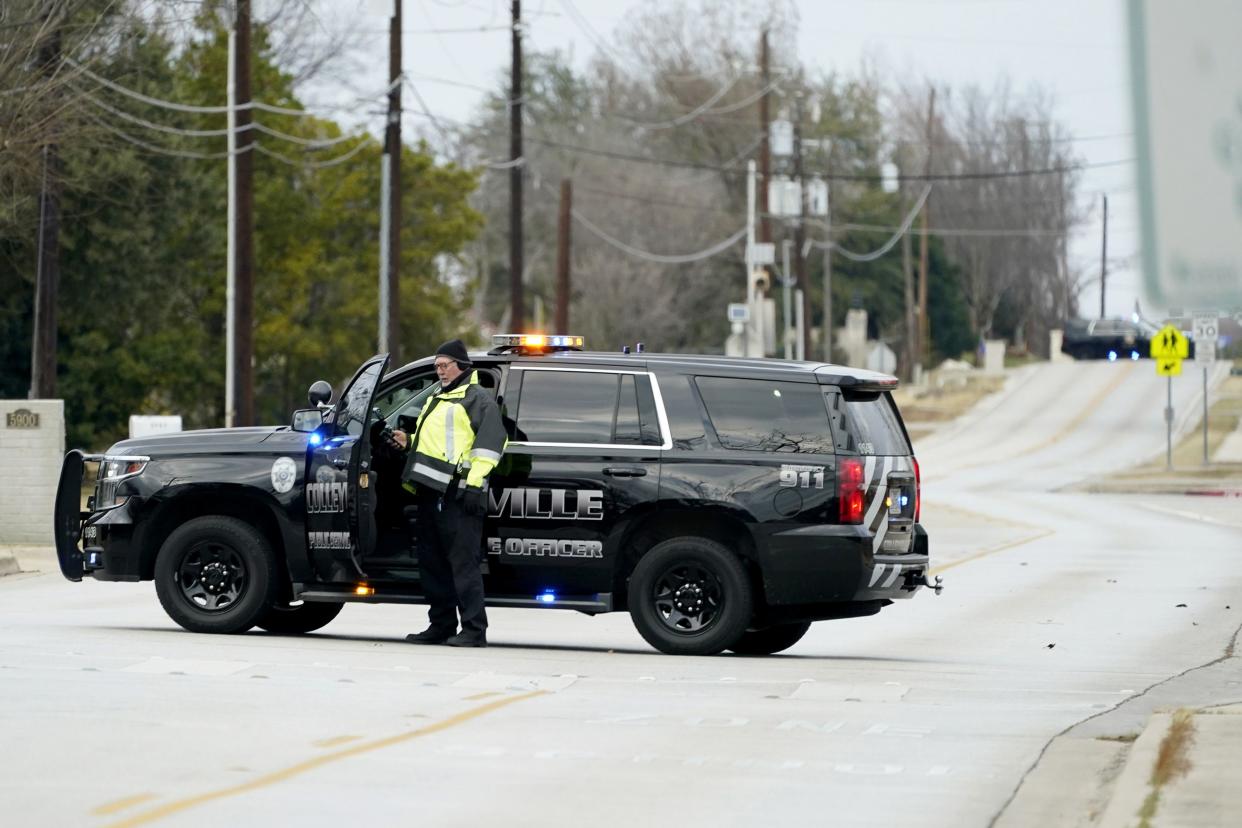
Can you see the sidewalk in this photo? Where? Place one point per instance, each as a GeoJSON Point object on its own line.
{"type": "Point", "coordinates": [25, 558]}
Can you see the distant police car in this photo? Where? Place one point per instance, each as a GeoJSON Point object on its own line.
{"type": "Point", "coordinates": [725, 503]}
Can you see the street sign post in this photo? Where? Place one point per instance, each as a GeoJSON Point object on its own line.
{"type": "Point", "coordinates": [1207, 329]}
{"type": "Point", "coordinates": [1168, 348]}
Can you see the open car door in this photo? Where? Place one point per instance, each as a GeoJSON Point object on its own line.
{"type": "Point", "coordinates": [340, 483]}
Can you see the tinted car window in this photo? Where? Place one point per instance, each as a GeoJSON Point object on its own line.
{"type": "Point", "coordinates": [568, 406]}
{"type": "Point", "coordinates": [766, 415]}
{"type": "Point", "coordinates": [867, 423]}
{"type": "Point", "coordinates": [352, 409]}
{"type": "Point", "coordinates": [627, 429]}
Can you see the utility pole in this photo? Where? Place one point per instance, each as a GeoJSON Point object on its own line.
{"type": "Point", "coordinates": [800, 229]}
{"type": "Point", "coordinates": [243, 165]}
{"type": "Point", "coordinates": [765, 145]}
{"type": "Point", "coordinates": [907, 271]}
{"type": "Point", "coordinates": [562, 257]}
{"type": "Point", "coordinates": [517, 311]}
{"type": "Point", "coordinates": [924, 344]}
{"type": "Point", "coordinates": [1104, 257]}
{"type": "Point", "coordinates": [391, 313]}
{"type": "Point", "coordinates": [43, 355]}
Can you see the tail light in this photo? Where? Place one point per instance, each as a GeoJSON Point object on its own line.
{"type": "Point", "coordinates": [918, 489]}
{"type": "Point", "coordinates": [851, 491]}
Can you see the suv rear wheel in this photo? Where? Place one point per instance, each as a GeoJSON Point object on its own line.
{"type": "Point", "coordinates": [294, 619]}
{"type": "Point", "coordinates": [215, 574]}
{"type": "Point", "coordinates": [690, 596]}
{"type": "Point", "coordinates": [771, 639]}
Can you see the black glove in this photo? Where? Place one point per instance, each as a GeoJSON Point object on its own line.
{"type": "Point", "coordinates": [390, 441]}
{"type": "Point", "coordinates": [474, 502]}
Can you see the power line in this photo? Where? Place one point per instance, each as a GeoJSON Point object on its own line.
{"type": "Point", "coordinates": [882, 249]}
{"type": "Point", "coordinates": [314, 143]}
{"type": "Point", "coordinates": [314, 165]}
{"type": "Point", "coordinates": [214, 110]}
{"type": "Point", "coordinates": [656, 257]}
{"type": "Point", "coordinates": [692, 114]}
{"type": "Point", "coordinates": [696, 165]}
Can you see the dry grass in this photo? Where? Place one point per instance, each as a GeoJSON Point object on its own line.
{"type": "Point", "coordinates": [939, 404]}
{"type": "Point", "coordinates": [1172, 761]}
{"type": "Point", "coordinates": [1125, 738]}
{"type": "Point", "coordinates": [1224, 414]}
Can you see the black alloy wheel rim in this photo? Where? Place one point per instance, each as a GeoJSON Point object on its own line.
{"type": "Point", "coordinates": [688, 598]}
{"type": "Point", "coordinates": [212, 577]}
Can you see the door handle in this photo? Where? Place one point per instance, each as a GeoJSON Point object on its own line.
{"type": "Point", "coordinates": [340, 462]}
{"type": "Point", "coordinates": [625, 471]}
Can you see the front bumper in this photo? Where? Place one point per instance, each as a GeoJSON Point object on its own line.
{"type": "Point", "coordinates": [98, 543]}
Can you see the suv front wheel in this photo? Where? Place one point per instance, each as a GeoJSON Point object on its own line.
{"type": "Point", "coordinates": [690, 596]}
{"type": "Point", "coordinates": [215, 574]}
{"type": "Point", "coordinates": [283, 618]}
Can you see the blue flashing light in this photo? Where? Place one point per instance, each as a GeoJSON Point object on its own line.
{"type": "Point", "coordinates": [1112, 356]}
{"type": "Point", "coordinates": [1134, 355]}
{"type": "Point", "coordinates": [546, 597]}
{"type": "Point", "coordinates": [905, 501]}
{"type": "Point", "coordinates": [315, 438]}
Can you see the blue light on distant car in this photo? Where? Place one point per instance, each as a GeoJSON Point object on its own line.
{"type": "Point", "coordinates": [1134, 355]}
{"type": "Point", "coordinates": [314, 438]}
{"type": "Point", "coordinates": [546, 597]}
{"type": "Point", "coordinates": [1112, 356]}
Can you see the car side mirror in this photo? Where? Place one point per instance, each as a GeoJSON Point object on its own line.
{"type": "Point", "coordinates": [320, 394]}
{"type": "Point", "coordinates": [307, 419]}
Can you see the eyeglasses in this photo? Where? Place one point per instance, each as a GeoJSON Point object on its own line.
{"type": "Point", "coordinates": [444, 366]}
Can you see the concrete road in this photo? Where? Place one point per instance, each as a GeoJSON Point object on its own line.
{"type": "Point", "coordinates": [1059, 607]}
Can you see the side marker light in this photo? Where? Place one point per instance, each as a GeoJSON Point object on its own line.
{"type": "Point", "coordinates": [546, 597]}
{"type": "Point", "coordinates": [363, 589]}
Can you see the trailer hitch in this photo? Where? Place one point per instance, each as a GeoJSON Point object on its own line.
{"type": "Point", "coordinates": [920, 579]}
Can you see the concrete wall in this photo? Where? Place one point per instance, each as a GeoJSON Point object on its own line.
{"type": "Point", "coordinates": [30, 459]}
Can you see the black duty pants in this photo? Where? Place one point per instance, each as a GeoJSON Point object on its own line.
{"type": "Point", "coordinates": [448, 561]}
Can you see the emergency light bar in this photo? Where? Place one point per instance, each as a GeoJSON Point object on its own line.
{"type": "Point", "coordinates": [537, 341]}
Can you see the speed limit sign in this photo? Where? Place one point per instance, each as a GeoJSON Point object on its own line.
{"type": "Point", "coordinates": [1206, 331]}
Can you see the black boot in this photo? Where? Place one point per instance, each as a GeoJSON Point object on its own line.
{"type": "Point", "coordinates": [467, 639]}
{"type": "Point", "coordinates": [431, 635]}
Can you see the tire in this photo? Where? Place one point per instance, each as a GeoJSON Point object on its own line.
{"type": "Point", "coordinates": [690, 596]}
{"type": "Point", "coordinates": [770, 640]}
{"type": "Point", "coordinates": [215, 574]}
{"type": "Point", "coordinates": [283, 619]}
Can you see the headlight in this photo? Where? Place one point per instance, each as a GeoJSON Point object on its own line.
{"type": "Point", "coordinates": [112, 470]}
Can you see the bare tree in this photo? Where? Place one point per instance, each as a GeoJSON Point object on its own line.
{"type": "Point", "coordinates": [1006, 196]}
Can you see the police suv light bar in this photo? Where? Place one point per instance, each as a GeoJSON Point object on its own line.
{"type": "Point", "coordinates": [538, 341]}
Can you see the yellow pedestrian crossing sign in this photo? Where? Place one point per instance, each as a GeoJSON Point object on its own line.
{"type": "Point", "coordinates": [1168, 367]}
{"type": "Point", "coordinates": [1170, 343]}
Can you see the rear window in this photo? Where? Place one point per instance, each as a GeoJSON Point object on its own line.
{"type": "Point", "coordinates": [866, 423]}
{"type": "Point", "coordinates": [767, 415]}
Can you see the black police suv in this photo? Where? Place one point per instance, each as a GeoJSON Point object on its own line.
{"type": "Point", "coordinates": [724, 503]}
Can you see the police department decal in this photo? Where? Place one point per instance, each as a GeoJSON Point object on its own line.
{"type": "Point", "coordinates": [284, 473]}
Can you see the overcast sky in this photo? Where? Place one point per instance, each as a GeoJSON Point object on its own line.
{"type": "Point", "coordinates": [1075, 50]}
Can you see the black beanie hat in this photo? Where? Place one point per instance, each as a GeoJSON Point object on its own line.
{"type": "Point", "coordinates": [454, 350]}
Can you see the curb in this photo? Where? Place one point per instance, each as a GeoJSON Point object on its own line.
{"type": "Point", "coordinates": [8, 563]}
{"type": "Point", "coordinates": [1133, 784]}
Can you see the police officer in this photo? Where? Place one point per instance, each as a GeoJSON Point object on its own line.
{"type": "Point", "coordinates": [457, 442]}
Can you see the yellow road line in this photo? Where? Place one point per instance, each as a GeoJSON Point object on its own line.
{"type": "Point", "coordinates": [1082, 415]}
{"type": "Point", "coordinates": [991, 550]}
{"type": "Point", "coordinates": [938, 506]}
{"type": "Point", "coordinates": [121, 804]}
{"type": "Point", "coordinates": [485, 694]}
{"type": "Point", "coordinates": [335, 740]}
{"type": "Point", "coordinates": [318, 762]}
